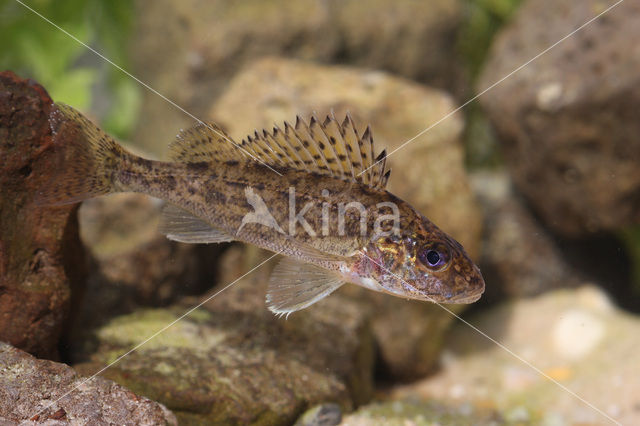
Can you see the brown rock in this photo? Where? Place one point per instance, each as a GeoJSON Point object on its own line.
{"type": "Point", "coordinates": [41, 257]}
{"type": "Point", "coordinates": [122, 233]}
{"type": "Point", "coordinates": [519, 257]}
{"type": "Point", "coordinates": [568, 120]}
{"type": "Point", "coordinates": [416, 40]}
{"type": "Point", "coordinates": [409, 333]}
{"type": "Point", "coordinates": [189, 50]}
{"type": "Point", "coordinates": [33, 391]}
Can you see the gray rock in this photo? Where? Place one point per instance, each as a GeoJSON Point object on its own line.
{"type": "Point", "coordinates": [568, 121]}
{"type": "Point", "coordinates": [32, 390]}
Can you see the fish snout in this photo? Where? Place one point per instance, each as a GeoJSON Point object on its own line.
{"type": "Point", "coordinates": [471, 287]}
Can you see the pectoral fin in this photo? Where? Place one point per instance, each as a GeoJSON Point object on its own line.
{"type": "Point", "coordinates": [296, 285]}
{"type": "Point", "coordinates": [180, 225]}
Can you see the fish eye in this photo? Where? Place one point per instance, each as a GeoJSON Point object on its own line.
{"type": "Point", "coordinates": [435, 256]}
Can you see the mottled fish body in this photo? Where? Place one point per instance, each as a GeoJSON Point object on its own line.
{"type": "Point", "coordinates": [313, 192]}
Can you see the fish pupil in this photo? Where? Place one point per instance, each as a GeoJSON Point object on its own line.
{"type": "Point", "coordinates": [433, 257]}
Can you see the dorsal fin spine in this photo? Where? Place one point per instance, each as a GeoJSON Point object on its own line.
{"type": "Point", "coordinates": [253, 148]}
{"type": "Point", "coordinates": [368, 153]}
{"type": "Point", "coordinates": [350, 134]}
{"type": "Point", "coordinates": [271, 149]}
{"type": "Point", "coordinates": [274, 149]}
{"type": "Point", "coordinates": [385, 178]}
{"type": "Point", "coordinates": [321, 162]}
{"type": "Point", "coordinates": [283, 148]}
{"type": "Point", "coordinates": [271, 140]}
{"type": "Point", "coordinates": [286, 147]}
{"type": "Point", "coordinates": [303, 153]}
{"type": "Point", "coordinates": [342, 144]}
{"type": "Point", "coordinates": [327, 138]}
{"type": "Point", "coordinates": [287, 137]}
{"type": "Point", "coordinates": [378, 167]}
{"type": "Point", "coordinates": [317, 133]}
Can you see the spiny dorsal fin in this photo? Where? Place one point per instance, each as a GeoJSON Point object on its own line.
{"type": "Point", "coordinates": [204, 142]}
{"type": "Point", "coordinates": [328, 148]}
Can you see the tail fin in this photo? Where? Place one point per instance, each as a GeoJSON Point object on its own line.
{"type": "Point", "coordinates": [85, 158]}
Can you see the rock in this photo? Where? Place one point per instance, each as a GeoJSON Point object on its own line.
{"type": "Point", "coordinates": [117, 223]}
{"type": "Point", "coordinates": [574, 336]}
{"type": "Point", "coordinates": [273, 90]}
{"type": "Point", "coordinates": [566, 120]}
{"type": "Point", "coordinates": [41, 257]}
{"type": "Point", "coordinates": [402, 413]}
{"type": "Point", "coordinates": [414, 39]}
{"type": "Point", "coordinates": [189, 50]}
{"type": "Point", "coordinates": [409, 333]}
{"type": "Point", "coordinates": [132, 264]}
{"type": "Point", "coordinates": [519, 257]}
{"type": "Point", "coordinates": [321, 415]}
{"type": "Point", "coordinates": [121, 231]}
{"type": "Point", "coordinates": [233, 361]}
{"type": "Point", "coordinates": [33, 391]}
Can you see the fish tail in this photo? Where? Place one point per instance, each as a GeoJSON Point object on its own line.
{"type": "Point", "coordinates": [86, 159]}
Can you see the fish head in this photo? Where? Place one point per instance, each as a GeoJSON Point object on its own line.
{"type": "Point", "coordinates": [425, 264]}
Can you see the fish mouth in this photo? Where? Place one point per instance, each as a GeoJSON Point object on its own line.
{"type": "Point", "coordinates": [464, 299]}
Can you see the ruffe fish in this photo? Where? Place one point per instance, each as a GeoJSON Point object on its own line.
{"type": "Point", "coordinates": [313, 191]}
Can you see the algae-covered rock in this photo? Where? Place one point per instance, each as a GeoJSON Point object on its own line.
{"type": "Point", "coordinates": [34, 391]}
{"type": "Point", "coordinates": [574, 336]}
{"type": "Point", "coordinates": [41, 257]}
{"type": "Point", "coordinates": [402, 413]}
{"type": "Point", "coordinates": [233, 361]}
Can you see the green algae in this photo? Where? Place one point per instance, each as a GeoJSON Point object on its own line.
{"type": "Point", "coordinates": [162, 326]}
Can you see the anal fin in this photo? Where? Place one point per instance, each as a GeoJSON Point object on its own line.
{"type": "Point", "coordinates": [295, 285]}
{"type": "Point", "coordinates": [180, 225]}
